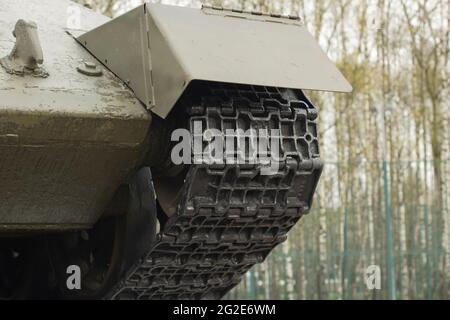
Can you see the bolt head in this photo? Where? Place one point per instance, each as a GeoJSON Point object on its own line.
{"type": "Point", "coordinates": [90, 69]}
{"type": "Point", "coordinates": [90, 65]}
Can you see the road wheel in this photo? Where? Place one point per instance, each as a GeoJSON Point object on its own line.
{"type": "Point", "coordinates": [106, 252]}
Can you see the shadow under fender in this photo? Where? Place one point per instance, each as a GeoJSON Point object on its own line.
{"type": "Point", "coordinates": [109, 250]}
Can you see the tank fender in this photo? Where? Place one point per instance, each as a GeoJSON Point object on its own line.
{"type": "Point", "coordinates": [158, 50]}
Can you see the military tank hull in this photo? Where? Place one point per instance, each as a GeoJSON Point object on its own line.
{"type": "Point", "coordinates": [95, 173]}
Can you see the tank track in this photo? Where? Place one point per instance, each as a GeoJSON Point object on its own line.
{"type": "Point", "coordinates": [230, 215]}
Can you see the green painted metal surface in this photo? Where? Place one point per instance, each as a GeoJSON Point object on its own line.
{"type": "Point", "coordinates": [67, 141]}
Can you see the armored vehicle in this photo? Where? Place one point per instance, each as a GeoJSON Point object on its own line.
{"type": "Point", "coordinates": [95, 178]}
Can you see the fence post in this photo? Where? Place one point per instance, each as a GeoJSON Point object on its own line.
{"type": "Point", "coordinates": [427, 254]}
{"type": "Point", "coordinates": [267, 275]}
{"type": "Point", "coordinates": [250, 284]}
{"type": "Point", "coordinates": [389, 244]}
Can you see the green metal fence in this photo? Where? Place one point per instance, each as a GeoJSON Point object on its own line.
{"type": "Point", "coordinates": [392, 215]}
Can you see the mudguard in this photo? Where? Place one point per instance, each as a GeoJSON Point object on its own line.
{"type": "Point", "coordinates": [158, 50]}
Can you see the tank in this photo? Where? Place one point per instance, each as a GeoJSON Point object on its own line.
{"type": "Point", "coordinates": [157, 155]}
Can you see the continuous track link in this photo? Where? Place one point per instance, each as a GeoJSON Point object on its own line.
{"type": "Point", "coordinates": [231, 215]}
